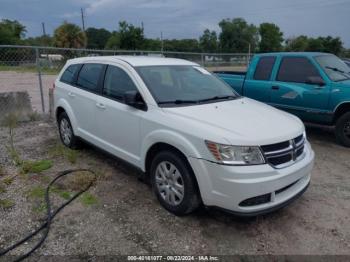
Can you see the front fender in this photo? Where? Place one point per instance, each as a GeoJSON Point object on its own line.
{"type": "Point", "coordinates": [168, 137]}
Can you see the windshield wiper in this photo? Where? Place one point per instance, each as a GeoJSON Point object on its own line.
{"type": "Point", "coordinates": [335, 69]}
{"type": "Point", "coordinates": [218, 98]}
{"type": "Point", "coordinates": [178, 101]}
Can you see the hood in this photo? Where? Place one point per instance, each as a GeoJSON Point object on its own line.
{"type": "Point", "coordinates": [241, 122]}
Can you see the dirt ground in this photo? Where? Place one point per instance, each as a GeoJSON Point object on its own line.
{"type": "Point", "coordinates": [121, 216]}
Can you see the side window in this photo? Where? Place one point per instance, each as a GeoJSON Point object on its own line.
{"type": "Point", "coordinates": [89, 76]}
{"type": "Point", "coordinates": [117, 82]}
{"type": "Point", "coordinates": [296, 69]}
{"type": "Point", "coordinates": [264, 68]}
{"type": "Point", "coordinates": [69, 74]}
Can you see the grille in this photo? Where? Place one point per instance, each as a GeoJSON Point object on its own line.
{"type": "Point", "coordinates": [285, 153]}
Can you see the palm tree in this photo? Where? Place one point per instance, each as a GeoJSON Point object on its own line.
{"type": "Point", "coordinates": [70, 36]}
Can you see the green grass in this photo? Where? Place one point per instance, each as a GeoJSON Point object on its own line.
{"type": "Point", "coordinates": [6, 203]}
{"type": "Point", "coordinates": [60, 150]}
{"type": "Point", "coordinates": [36, 166]}
{"type": "Point", "coordinates": [30, 69]}
{"type": "Point", "coordinates": [40, 208]}
{"type": "Point", "coordinates": [37, 192]}
{"type": "Point", "coordinates": [34, 116]}
{"type": "Point", "coordinates": [64, 194]}
{"type": "Point", "coordinates": [88, 199]}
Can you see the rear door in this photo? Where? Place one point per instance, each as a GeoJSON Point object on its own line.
{"type": "Point", "coordinates": [258, 83]}
{"type": "Point", "coordinates": [292, 92]}
{"type": "Point", "coordinates": [83, 99]}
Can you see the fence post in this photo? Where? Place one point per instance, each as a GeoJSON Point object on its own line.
{"type": "Point", "coordinates": [40, 81]}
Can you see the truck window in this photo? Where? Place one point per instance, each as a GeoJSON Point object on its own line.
{"type": "Point", "coordinates": [89, 76]}
{"type": "Point", "coordinates": [117, 82]}
{"type": "Point", "coordinates": [69, 74]}
{"type": "Point", "coordinates": [264, 68]}
{"type": "Point", "coordinates": [296, 69]}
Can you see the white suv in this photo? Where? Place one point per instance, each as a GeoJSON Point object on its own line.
{"type": "Point", "coordinates": [187, 131]}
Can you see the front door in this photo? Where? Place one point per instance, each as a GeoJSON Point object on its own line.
{"type": "Point", "coordinates": [118, 123]}
{"type": "Point", "coordinates": [292, 92]}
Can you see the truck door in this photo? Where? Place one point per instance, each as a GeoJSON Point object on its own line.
{"type": "Point", "coordinates": [294, 91]}
{"type": "Point", "coordinates": [258, 83]}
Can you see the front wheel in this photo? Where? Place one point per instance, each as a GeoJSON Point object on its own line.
{"type": "Point", "coordinates": [342, 129]}
{"type": "Point", "coordinates": [174, 184]}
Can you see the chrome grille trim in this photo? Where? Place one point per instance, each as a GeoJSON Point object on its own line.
{"type": "Point", "coordinates": [287, 156]}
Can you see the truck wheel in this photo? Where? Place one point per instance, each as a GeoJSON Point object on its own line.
{"type": "Point", "coordinates": [66, 131]}
{"type": "Point", "coordinates": [174, 184]}
{"type": "Point", "coordinates": [342, 129]}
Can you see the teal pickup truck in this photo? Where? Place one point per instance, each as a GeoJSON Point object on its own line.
{"type": "Point", "coordinates": [313, 86]}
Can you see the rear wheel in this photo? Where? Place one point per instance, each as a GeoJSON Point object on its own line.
{"type": "Point", "coordinates": [66, 131]}
{"type": "Point", "coordinates": [342, 129]}
{"type": "Point", "coordinates": [174, 184]}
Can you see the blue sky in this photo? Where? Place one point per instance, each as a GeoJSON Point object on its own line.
{"type": "Point", "coordinates": [185, 18]}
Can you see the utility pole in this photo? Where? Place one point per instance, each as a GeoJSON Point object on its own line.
{"type": "Point", "coordinates": [82, 18]}
{"type": "Point", "coordinates": [43, 25]}
{"type": "Point", "coordinates": [161, 42]}
{"type": "Point", "coordinates": [142, 26]}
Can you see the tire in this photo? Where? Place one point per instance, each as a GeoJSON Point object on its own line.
{"type": "Point", "coordinates": [342, 129]}
{"type": "Point", "coordinates": [65, 128]}
{"type": "Point", "coordinates": [165, 189]}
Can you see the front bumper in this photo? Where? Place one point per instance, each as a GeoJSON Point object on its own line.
{"type": "Point", "coordinates": [228, 187]}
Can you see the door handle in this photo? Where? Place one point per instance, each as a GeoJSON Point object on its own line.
{"type": "Point", "coordinates": [275, 87]}
{"type": "Point", "coordinates": [100, 105]}
{"type": "Point", "coordinates": [71, 94]}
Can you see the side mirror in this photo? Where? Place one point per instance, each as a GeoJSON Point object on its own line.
{"type": "Point", "coordinates": [315, 80]}
{"type": "Point", "coordinates": [134, 99]}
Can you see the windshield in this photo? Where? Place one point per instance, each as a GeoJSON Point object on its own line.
{"type": "Point", "coordinates": [174, 85]}
{"type": "Point", "coordinates": [335, 68]}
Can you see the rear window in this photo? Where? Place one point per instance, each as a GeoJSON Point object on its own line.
{"type": "Point", "coordinates": [264, 68]}
{"type": "Point", "coordinates": [69, 74]}
{"type": "Point", "coordinates": [89, 76]}
{"type": "Point", "coordinates": [296, 69]}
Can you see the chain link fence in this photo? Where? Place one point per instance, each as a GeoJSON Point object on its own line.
{"type": "Point", "coordinates": [27, 72]}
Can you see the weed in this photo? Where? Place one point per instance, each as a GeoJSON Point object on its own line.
{"type": "Point", "coordinates": [79, 180]}
{"type": "Point", "coordinates": [6, 203]}
{"type": "Point", "coordinates": [11, 121]}
{"type": "Point", "coordinates": [88, 199]}
{"type": "Point", "coordinates": [2, 189]}
{"type": "Point", "coordinates": [60, 150]}
{"type": "Point", "coordinates": [34, 116]}
{"type": "Point", "coordinates": [8, 180]}
{"type": "Point", "coordinates": [2, 170]}
{"type": "Point", "coordinates": [36, 166]}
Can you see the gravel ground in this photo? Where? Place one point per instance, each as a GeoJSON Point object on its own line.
{"type": "Point", "coordinates": [127, 219]}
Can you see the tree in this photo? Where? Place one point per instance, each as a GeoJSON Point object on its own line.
{"type": "Point", "coordinates": [11, 32]}
{"type": "Point", "coordinates": [131, 37]}
{"type": "Point", "coordinates": [70, 36]}
{"type": "Point", "coordinates": [236, 35]}
{"type": "Point", "coordinates": [208, 42]}
{"type": "Point", "coordinates": [332, 45]}
{"type": "Point", "coordinates": [297, 44]}
{"type": "Point", "coordinates": [39, 41]}
{"type": "Point", "coordinates": [271, 38]}
{"type": "Point", "coordinates": [113, 42]}
{"type": "Point", "coordinates": [97, 38]}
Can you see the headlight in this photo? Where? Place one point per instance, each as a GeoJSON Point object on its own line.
{"type": "Point", "coordinates": [236, 155]}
